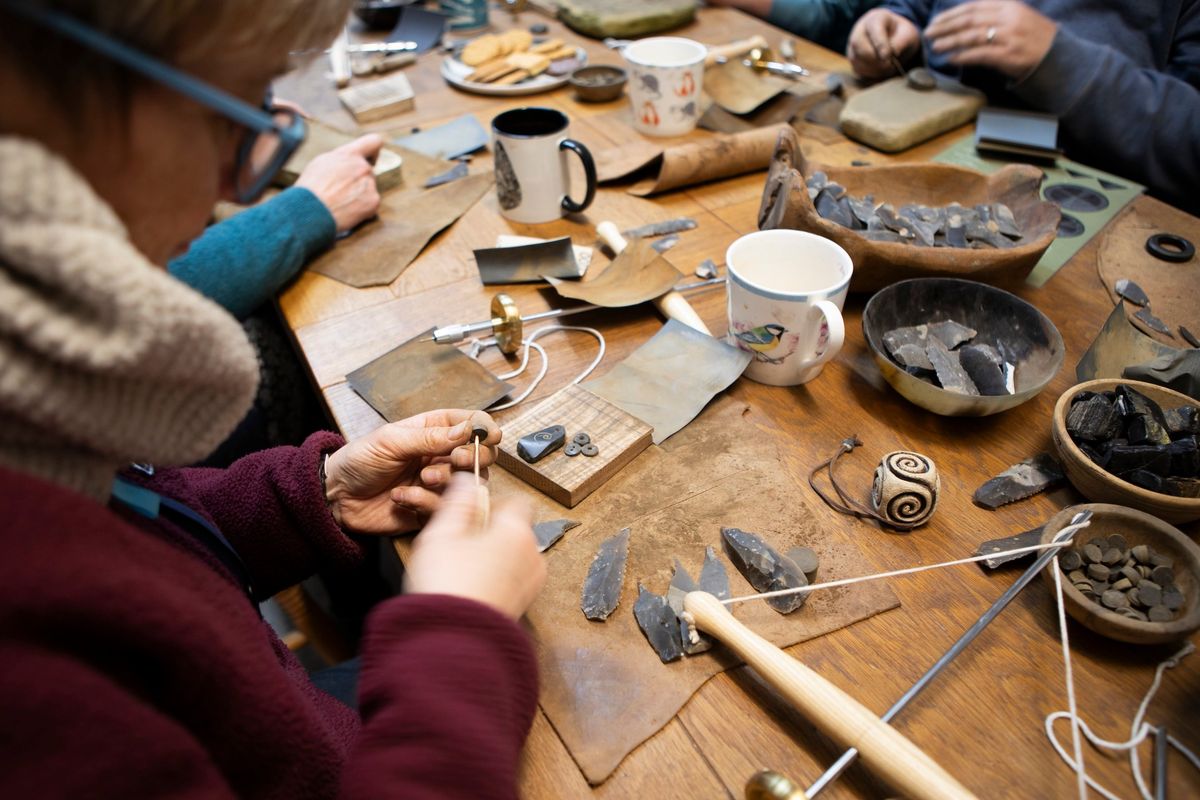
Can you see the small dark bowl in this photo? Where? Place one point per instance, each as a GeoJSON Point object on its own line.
{"type": "Point", "coordinates": [598, 83]}
{"type": "Point", "coordinates": [380, 15]}
{"type": "Point", "coordinates": [1021, 334]}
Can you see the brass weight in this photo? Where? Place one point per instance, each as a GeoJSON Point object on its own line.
{"type": "Point", "coordinates": [506, 323]}
{"type": "Point", "coordinates": [768, 785]}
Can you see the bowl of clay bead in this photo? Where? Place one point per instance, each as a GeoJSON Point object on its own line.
{"type": "Point", "coordinates": [1133, 443]}
{"type": "Point", "coordinates": [1128, 575]}
{"type": "Point", "coordinates": [961, 348]}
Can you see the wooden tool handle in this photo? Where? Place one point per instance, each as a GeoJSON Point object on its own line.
{"type": "Point", "coordinates": [733, 49]}
{"type": "Point", "coordinates": [884, 749]}
{"type": "Point", "coordinates": [672, 305]}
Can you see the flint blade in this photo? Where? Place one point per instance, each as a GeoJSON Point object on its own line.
{"type": "Point", "coordinates": [602, 587]}
{"type": "Point", "coordinates": [1031, 476]}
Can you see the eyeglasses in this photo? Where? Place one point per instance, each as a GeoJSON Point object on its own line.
{"type": "Point", "coordinates": [272, 134]}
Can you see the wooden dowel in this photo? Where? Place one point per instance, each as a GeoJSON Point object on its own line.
{"type": "Point", "coordinates": [903, 765]}
{"type": "Point", "coordinates": [733, 49]}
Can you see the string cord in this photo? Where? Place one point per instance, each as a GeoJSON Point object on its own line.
{"type": "Point", "coordinates": [531, 342]}
{"type": "Point", "coordinates": [1139, 732]}
{"type": "Point", "coordinates": [846, 504]}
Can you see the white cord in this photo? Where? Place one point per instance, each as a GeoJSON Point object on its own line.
{"type": "Point", "coordinates": [531, 342]}
{"type": "Point", "coordinates": [1080, 772]}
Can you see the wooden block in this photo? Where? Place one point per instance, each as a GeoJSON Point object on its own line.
{"type": "Point", "coordinates": [377, 100]}
{"type": "Point", "coordinates": [569, 479]}
{"type": "Point", "coordinates": [321, 139]}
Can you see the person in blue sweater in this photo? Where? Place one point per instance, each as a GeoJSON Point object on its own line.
{"type": "Point", "coordinates": [243, 261]}
{"type": "Point", "coordinates": [826, 22]}
{"type": "Point", "coordinates": [1123, 76]}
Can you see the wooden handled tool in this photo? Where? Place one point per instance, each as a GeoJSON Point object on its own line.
{"type": "Point", "coordinates": [673, 305]}
{"type": "Point", "coordinates": [898, 761]}
{"type": "Point", "coordinates": [733, 49]}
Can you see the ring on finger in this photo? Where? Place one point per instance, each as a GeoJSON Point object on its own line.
{"type": "Point", "coordinates": [990, 36]}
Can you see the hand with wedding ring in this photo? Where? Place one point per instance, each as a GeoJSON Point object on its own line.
{"type": "Point", "coordinates": [1005, 35]}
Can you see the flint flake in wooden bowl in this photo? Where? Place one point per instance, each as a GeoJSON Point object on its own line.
{"type": "Point", "coordinates": [787, 203]}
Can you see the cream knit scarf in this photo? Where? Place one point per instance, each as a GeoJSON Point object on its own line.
{"type": "Point", "coordinates": [104, 358]}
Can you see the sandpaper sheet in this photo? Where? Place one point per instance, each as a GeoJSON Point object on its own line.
{"type": "Point", "coordinates": [1173, 288]}
{"type": "Point", "coordinates": [602, 686]}
{"type": "Point", "coordinates": [709, 159]}
{"type": "Point", "coordinates": [667, 381]}
{"type": "Point", "coordinates": [740, 89]}
{"type": "Point", "coordinates": [381, 249]}
{"type": "Point", "coordinates": [422, 376]}
{"type": "Point", "coordinates": [636, 275]}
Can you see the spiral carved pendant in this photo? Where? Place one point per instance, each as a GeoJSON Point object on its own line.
{"type": "Point", "coordinates": [905, 491]}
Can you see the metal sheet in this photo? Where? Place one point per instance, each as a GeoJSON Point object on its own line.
{"type": "Point", "coordinates": [528, 263]}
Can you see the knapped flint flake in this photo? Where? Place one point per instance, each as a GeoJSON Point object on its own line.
{"type": "Point", "coordinates": [1132, 292]}
{"type": "Point", "coordinates": [983, 365]}
{"type": "Point", "coordinates": [602, 586]}
{"type": "Point", "coordinates": [950, 373]}
{"type": "Point", "coordinates": [1152, 322]}
{"type": "Point", "coordinates": [1019, 481]}
{"type": "Point", "coordinates": [681, 585]}
{"type": "Point", "coordinates": [659, 624]}
{"type": "Point", "coordinates": [551, 531]}
{"type": "Point", "coordinates": [765, 569]}
{"type": "Point", "coordinates": [713, 578]}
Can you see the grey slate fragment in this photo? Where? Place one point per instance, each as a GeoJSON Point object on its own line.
{"type": "Point", "coordinates": [1033, 475]}
{"type": "Point", "coordinates": [863, 209]}
{"type": "Point", "coordinates": [602, 586]}
{"type": "Point", "coordinates": [1132, 292]}
{"type": "Point", "coordinates": [551, 531]}
{"type": "Point", "coordinates": [1189, 337]}
{"type": "Point", "coordinates": [950, 373]}
{"type": "Point", "coordinates": [883, 236]}
{"type": "Point", "coordinates": [912, 355]}
{"type": "Point", "coordinates": [766, 569]}
{"type": "Point", "coordinates": [659, 624]}
{"type": "Point", "coordinates": [1153, 322]}
{"type": "Point", "coordinates": [660, 228]}
{"type": "Point", "coordinates": [664, 244]}
{"type": "Point", "coordinates": [1003, 216]}
{"type": "Point", "coordinates": [713, 578]}
{"type": "Point", "coordinates": [956, 231]}
{"type": "Point", "coordinates": [983, 369]}
{"type": "Point", "coordinates": [706, 269]}
{"type": "Point", "coordinates": [833, 209]}
{"type": "Point", "coordinates": [951, 333]}
{"type": "Point", "coordinates": [925, 232]}
{"type": "Point", "coordinates": [459, 170]}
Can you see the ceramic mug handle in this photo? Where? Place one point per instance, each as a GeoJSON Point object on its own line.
{"type": "Point", "coordinates": [837, 333]}
{"type": "Point", "coordinates": [589, 172]}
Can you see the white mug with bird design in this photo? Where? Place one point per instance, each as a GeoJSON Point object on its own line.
{"type": "Point", "coordinates": [666, 76]}
{"type": "Point", "coordinates": [786, 290]}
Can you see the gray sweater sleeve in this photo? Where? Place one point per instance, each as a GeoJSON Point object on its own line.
{"type": "Point", "coordinates": [1145, 122]}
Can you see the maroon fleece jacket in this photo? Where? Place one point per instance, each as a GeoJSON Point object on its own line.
{"type": "Point", "coordinates": [133, 665]}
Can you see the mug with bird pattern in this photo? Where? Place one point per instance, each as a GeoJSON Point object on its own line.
{"type": "Point", "coordinates": [786, 290]}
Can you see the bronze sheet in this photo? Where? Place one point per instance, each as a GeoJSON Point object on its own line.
{"type": "Point", "coordinates": [422, 376]}
{"type": "Point", "coordinates": [783, 108]}
{"type": "Point", "coordinates": [603, 688]}
{"type": "Point", "coordinates": [667, 381]}
{"type": "Point", "coordinates": [636, 275]}
{"type": "Point", "coordinates": [709, 159]}
{"type": "Point", "coordinates": [381, 249]}
{"type": "Point", "coordinates": [740, 89]}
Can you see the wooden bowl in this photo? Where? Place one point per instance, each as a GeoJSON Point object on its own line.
{"type": "Point", "coordinates": [1021, 333]}
{"type": "Point", "coordinates": [786, 204]}
{"type": "Point", "coordinates": [1138, 528]}
{"type": "Point", "coordinates": [1098, 484]}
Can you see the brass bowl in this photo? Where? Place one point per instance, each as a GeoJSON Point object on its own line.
{"type": "Point", "coordinates": [786, 204]}
{"type": "Point", "coordinates": [598, 83]}
{"type": "Point", "coordinates": [1098, 484]}
{"type": "Point", "coordinates": [1138, 528]}
{"type": "Point", "coordinates": [1021, 333]}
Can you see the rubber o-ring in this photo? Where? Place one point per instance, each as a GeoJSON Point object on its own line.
{"type": "Point", "coordinates": [1170, 247]}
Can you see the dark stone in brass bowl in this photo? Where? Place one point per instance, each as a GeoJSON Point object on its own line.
{"type": "Point", "coordinates": [1021, 334]}
{"type": "Point", "coordinates": [598, 83]}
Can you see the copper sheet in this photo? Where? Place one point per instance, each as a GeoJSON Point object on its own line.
{"type": "Point", "coordinates": [636, 275]}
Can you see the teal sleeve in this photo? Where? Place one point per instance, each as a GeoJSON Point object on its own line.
{"type": "Point", "coordinates": [826, 22]}
{"type": "Point", "coordinates": [243, 261]}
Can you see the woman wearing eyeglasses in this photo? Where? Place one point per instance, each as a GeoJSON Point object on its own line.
{"type": "Point", "coordinates": [133, 661]}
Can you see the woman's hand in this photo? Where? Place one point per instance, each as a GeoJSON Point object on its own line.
{"type": "Point", "coordinates": [343, 180]}
{"type": "Point", "coordinates": [499, 565]}
{"type": "Point", "coordinates": [1005, 35]}
{"type": "Point", "coordinates": [877, 40]}
{"type": "Point", "coordinates": [390, 481]}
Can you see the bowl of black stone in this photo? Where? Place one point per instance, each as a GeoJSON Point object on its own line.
{"type": "Point", "coordinates": [1128, 575]}
{"type": "Point", "coordinates": [1132, 443]}
{"type": "Point", "coordinates": [961, 348]}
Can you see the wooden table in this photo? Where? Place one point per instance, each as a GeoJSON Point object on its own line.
{"type": "Point", "coordinates": [983, 717]}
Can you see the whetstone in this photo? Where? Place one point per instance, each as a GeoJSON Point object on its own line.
{"type": "Point", "coordinates": [377, 100]}
{"type": "Point", "coordinates": [619, 436]}
{"type": "Point", "coordinates": [892, 116]}
{"type": "Point", "coordinates": [321, 139]}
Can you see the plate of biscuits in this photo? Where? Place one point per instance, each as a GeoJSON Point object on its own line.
{"type": "Point", "coordinates": [512, 63]}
